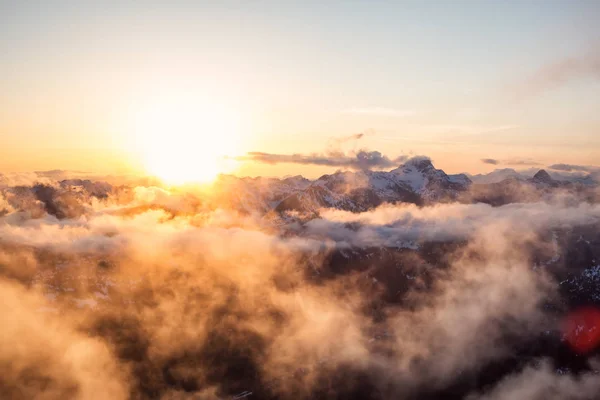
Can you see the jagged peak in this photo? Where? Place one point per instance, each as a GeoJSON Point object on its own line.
{"type": "Point", "coordinates": [542, 176]}
{"type": "Point", "coordinates": [419, 163]}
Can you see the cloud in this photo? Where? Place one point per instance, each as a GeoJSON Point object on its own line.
{"type": "Point", "coordinates": [379, 111]}
{"type": "Point", "coordinates": [156, 293]}
{"type": "Point", "coordinates": [511, 161]}
{"type": "Point", "coordinates": [43, 355]}
{"type": "Point", "coordinates": [542, 382]}
{"type": "Point", "coordinates": [561, 72]}
{"type": "Point", "coordinates": [349, 138]}
{"type": "Point", "coordinates": [394, 226]}
{"type": "Point", "coordinates": [574, 168]}
{"type": "Point", "coordinates": [490, 161]}
{"type": "Point", "coordinates": [335, 144]}
{"type": "Point", "coordinates": [361, 160]}
{"type": "Point", "coordinates": [521, 161]}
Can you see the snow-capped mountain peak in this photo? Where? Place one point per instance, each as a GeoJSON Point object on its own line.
{"type": "Point", "coordinates": [416, 181]}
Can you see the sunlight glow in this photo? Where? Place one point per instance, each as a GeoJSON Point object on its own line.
{"type": "Point", "coordinates": [185, 140]}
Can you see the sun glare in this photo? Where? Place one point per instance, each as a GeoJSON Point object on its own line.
{"type": "Point", "coordinates": [186, 141]}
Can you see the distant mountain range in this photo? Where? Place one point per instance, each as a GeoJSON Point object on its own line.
{"type": "Point", "coordinates": [499, 175]}
{"type": "Point", "coordinates": [416, 181]}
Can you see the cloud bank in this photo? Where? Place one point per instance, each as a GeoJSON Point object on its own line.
{"type": "Point", "coordinates": [144, 292]}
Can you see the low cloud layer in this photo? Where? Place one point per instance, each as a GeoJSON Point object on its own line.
{"type": "Point", "coordinates": [142, 292]}
{"type": "Point", "coordinates": [391, 225]}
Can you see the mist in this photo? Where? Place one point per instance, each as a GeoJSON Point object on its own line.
{"type": "Point", "coordinates": [145, 292]}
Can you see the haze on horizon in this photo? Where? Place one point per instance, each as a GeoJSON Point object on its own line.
{"type": "Point", "coordinates": [167, 88]}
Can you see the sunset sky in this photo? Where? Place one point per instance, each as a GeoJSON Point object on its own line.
{"type": "Point", "coordinates": [106, 86]}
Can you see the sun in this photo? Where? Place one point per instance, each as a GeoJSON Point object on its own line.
{"type": "Point", "coordinates": [186, 140]}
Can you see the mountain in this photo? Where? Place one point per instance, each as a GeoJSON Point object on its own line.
{"type": "Point", "coordinates": [496, 175]}
{"type": "Point", "coordinates": [417, 181]}
{"type": "Point", "coordinates": [518, 189]}
{"type": "Point", "coordinates": [544, 178]}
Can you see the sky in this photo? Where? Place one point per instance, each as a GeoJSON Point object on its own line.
{"type": "Point", "coordinates": [104, 86]}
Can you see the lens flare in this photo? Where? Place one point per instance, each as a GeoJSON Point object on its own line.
{"type": "Point", "coordinates": [581, 329]}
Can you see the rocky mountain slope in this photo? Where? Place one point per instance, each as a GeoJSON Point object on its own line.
{"type": "Point", "coordinates": [417, 181]}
